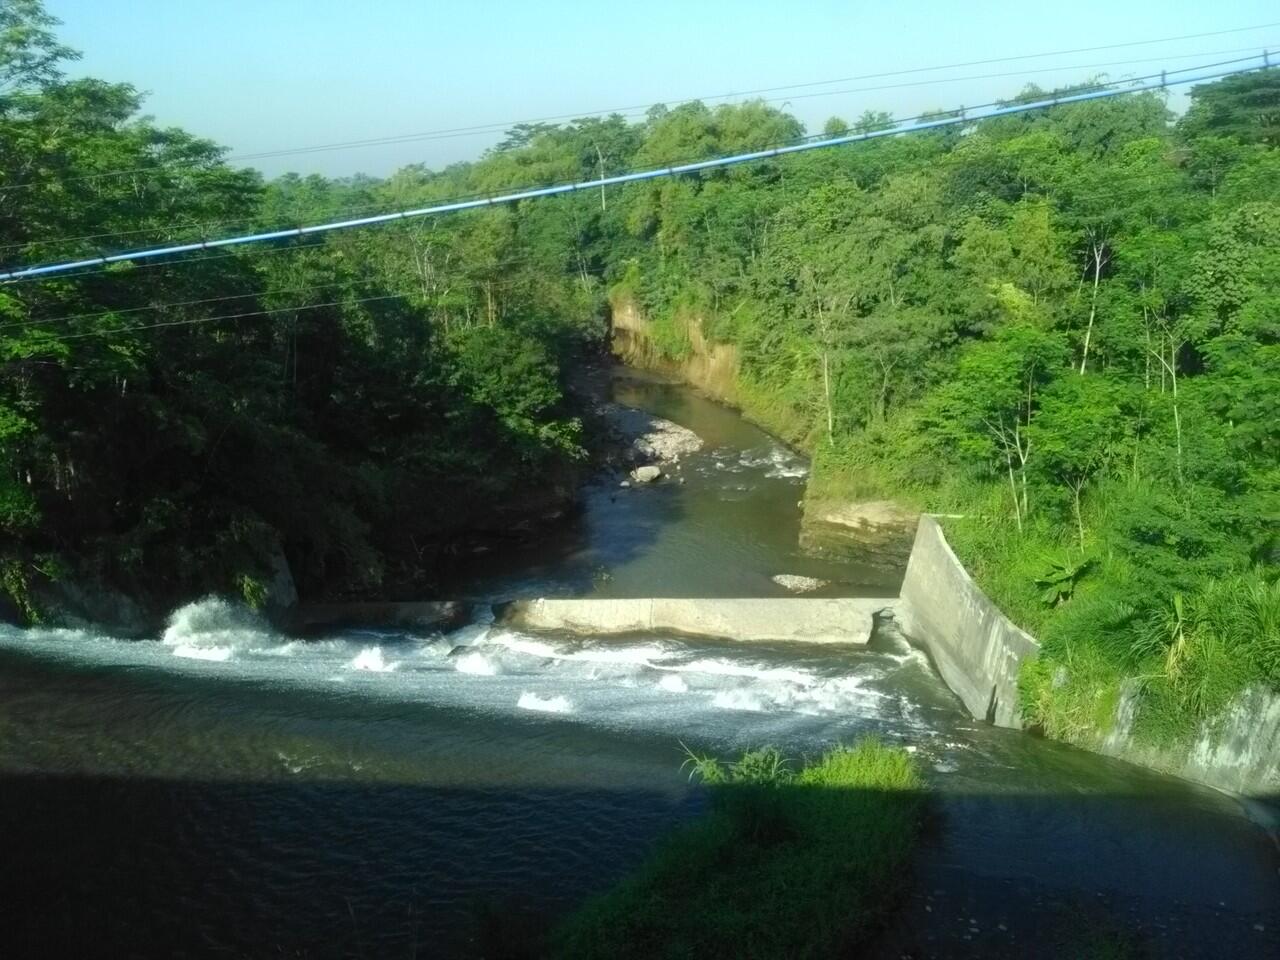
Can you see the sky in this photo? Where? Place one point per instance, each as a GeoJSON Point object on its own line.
{"type": "Point", "coordinates": [272, 75]}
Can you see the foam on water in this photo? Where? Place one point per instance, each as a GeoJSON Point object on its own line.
{"type": "Point", "coordinates": [289, 649]}
{"type": "Point", "coordinates": [778, 463]}
{"type": "Point", "coordinates": [756, 671]}
{"type": "Point", "coordinates": [673, 683]}
{"type": "Point", "coordinates": [557, 704]}
{"type": "Point", "coordinates": [743, 700]}
{"type": "Point", "coordinates": [655, 684]}
{"type": "Point", "coordinates": [216, 629]}
{"type": "Point", "coordinates": [476, 664]}
{"type": "Point", "coordinates": [525, 645]}
{"type": "Point", "coordinates": [639, 656]}
{"type": "Point", "coordinates": [371, 659]}
{"type": "Point", "coordinates": [211, 653]}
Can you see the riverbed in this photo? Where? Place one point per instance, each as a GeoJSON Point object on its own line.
{"type": "Point", "coordinates": [226, 790]}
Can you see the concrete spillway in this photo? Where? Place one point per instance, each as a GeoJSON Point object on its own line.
{"type": "Point", "coordinates": [839, 620]}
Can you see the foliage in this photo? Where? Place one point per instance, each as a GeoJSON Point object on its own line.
{"type": "Point", "coordinates": [404, 388]}
{"type": "Point", "coordinates": [1059, 582]}
{"type": "Point", "coordinates": [1060, 326]}
{"type": "Point", "coordinates": [789, 862]}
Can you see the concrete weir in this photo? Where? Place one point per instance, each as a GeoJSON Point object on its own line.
{"type": "Point", "coordinates": [977, 649]}
{"type": "Point", "coordinates": [810, 620]}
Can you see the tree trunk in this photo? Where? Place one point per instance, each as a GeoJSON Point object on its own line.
{"type": "Point", "coordinates": [600, 157]}
{"type": "Point", "coordinates": [1075, 490]}
{"type": "Point", "coordinates": [1146, 326]}
{"type": "Point", "coordinates": [1013, 487]}
{"type": "Point", "coordinates": [1177, 417]}
{"type": "Point", "coordinates": [1093, 305]}
{"type": "Point", "coordinates": [826, 392]}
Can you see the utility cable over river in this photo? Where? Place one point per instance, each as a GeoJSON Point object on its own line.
{"type": "Point", "coordinates": [959, 117]}
{"type": "Point", "coordinates": [764, 549]}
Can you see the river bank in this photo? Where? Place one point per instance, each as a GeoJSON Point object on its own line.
{"type": "Point", "coordinates": [1236, 747]}
{"type": "Point", "coordinates": [249, 788]}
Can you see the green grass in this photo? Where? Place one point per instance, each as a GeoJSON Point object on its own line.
{"type": "Point", "coordinates": [789, 862]}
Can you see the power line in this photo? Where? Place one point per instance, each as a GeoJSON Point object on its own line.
{"type": "Point", "coordinates": [366, 208]}
{"type": "Point", "coordinates": [499, 126]}
{"type": "Point", "coordinates": [641, 109]}
{"type": "Point", "coordinates": [231, 316]}
{"type": "Point", "coordinates": [1041, 192]}
{"type": "Point", "coordinates": [963, 118]}
{"type": "Point", "coordinates": [44, 321]}
{"type": "Point", "coordinates": [453, 283]}
{"type": "Point", "coordinates": [98, 270]}
{"type": "Point", "coordinates": [205, 226]}
{"type": "Point", "coordinates": [1047, 191]}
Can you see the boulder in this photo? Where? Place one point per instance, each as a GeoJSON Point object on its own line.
{"type": "Point", "coordinates": [878, 533]}
{"type": "Point", "coordinates": [646, 474]}
{"type": "Point", "coordinates": [650, 437]}
{"type": "Point", "coordinates": [282, 592]}
{"type": "Point", "coordinates": [798, 584]}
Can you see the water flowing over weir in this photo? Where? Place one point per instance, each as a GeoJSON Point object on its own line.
{"type": "Point", "coordinates": [227, 789]}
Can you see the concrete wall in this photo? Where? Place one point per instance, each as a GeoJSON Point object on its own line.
{"type": "Point", "coordinates": [843, 620]}
{"type": "Point", "coordinates": [978, 651]}
{"type": "Point", "coordinates": [1238, 751]}
{"type": "Point", "coordinates": [976, 648]}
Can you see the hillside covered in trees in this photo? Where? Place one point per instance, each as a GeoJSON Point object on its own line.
{"type": "Point", "coordinates": [1062, 327]}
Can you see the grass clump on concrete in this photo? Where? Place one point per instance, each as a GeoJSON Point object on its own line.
{"type": "Point", "coordinates": [791, 861]}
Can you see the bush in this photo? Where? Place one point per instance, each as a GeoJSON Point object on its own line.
{"type": "Point", "coordinates": [788, 863]}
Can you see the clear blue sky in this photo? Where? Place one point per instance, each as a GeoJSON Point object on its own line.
{"type": "Point", "coordinates": [260, 75]}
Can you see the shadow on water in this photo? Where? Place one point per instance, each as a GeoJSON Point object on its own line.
{"type": "Point", "coordinates": [104, 866]}
{"type": "Point", "coordinates": [610, 528]}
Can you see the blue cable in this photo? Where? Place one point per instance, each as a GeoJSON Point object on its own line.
{"type": "Point", "coordinates": [961, 118]}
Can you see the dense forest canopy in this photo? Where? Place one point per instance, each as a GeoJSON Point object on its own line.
{"type": "Point", "coordinates": [1061, 326]}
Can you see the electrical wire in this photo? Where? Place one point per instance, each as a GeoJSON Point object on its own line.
{"type": "Point", "coordinates": [193, 321]}
{"type": "Point", "coordinates": [788, 191]}
{"type": "Point", "coordinates": [1056, 101]}
{"type": "Point", "coordinates": [205, 225]}
{"type": "Point", "coordinates": [497, 126]}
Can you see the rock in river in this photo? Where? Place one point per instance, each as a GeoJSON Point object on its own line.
{"type": "Point", "coordinates": [645, 474]}
{"type": "Point", "coordinates": [798, 584]}
{"type": "Point", "coordinates": [650, 437]}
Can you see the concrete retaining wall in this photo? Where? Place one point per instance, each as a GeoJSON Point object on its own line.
{"type": "Point", "coordinates": [843, 620]}
{"type": "Point", "coordinates": [1238, 751]}
{"type": "Point", "coordinates": [976, 648]}
{"type": "Point", "coordinates": [978, 651]}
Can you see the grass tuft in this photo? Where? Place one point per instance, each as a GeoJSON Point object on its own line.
{"type": "Point", "coordinates": [788, 862]}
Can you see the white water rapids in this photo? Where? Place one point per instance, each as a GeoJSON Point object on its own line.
{"type": "Point", "coordinates": [658, 684]}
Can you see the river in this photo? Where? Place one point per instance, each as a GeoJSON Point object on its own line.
{"type": "Point", "coordinates": [223, 790]}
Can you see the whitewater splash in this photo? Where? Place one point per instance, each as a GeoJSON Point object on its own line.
{"type": "Point", "coordinates": [371, 660]}
{"type": "Point", "coordinates": [658, 683]}
{"type": "Point", "coordinates": [777, 462]}
{"type": "Point", "coordinates": [673, 683]}
{"type": "Point", "coordinates": [214, 629]}
{"type": "Point", "coordinates": [557, 704]}
{"type": "Point", "coordinates": [476, 664]}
